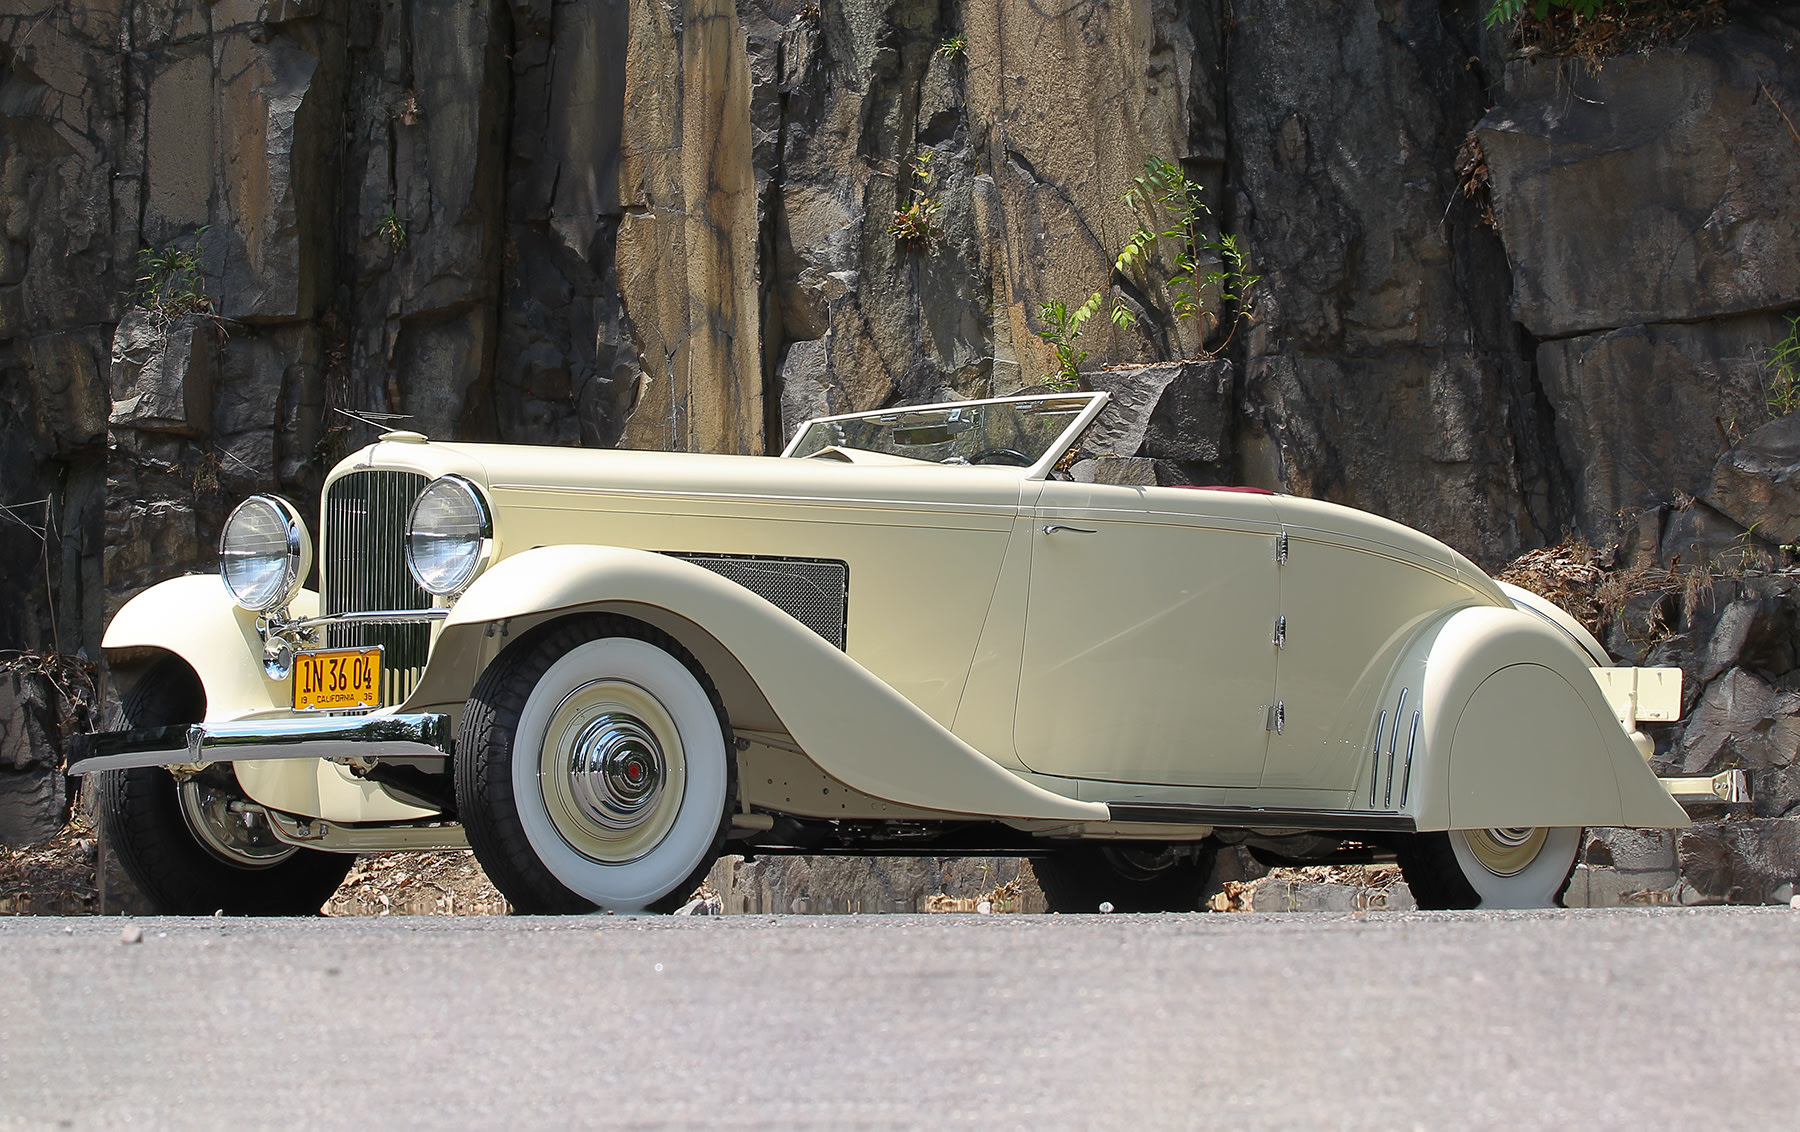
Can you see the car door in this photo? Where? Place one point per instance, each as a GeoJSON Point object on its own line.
{"type": "Point", "coordinates": [1149, 653]}
{"type": "Point", "coordinates": [1347, 601]}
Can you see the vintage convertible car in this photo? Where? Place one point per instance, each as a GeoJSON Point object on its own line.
{"type": "Point", "coordinates": [913, 633]}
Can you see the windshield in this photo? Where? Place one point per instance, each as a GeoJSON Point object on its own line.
{"type": "Point", "coordinates": [1016, 431]}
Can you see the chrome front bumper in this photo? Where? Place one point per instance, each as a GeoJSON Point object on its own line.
{"type": "Point", "coordinates": [325, 737]}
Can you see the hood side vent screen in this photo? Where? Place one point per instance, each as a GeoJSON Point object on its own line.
{"type": "Point", "coordinates": [813, 591]}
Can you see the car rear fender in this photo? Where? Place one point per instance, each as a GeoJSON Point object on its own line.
{"type": "Point", "coordinates": [1504, 726]}
{"type": "Point", "coordinates": [195, 618]}
{"type": "Point", "coordinates": [772, 671]}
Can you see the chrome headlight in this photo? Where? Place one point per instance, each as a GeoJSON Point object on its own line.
{"type": "Point", "coordinates": [263, 553]}
{"type": "Point", "coordinates": [447, 535]}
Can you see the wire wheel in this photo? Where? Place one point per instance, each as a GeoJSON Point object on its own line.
{"type": "Point", "coordinates": [239, 837]}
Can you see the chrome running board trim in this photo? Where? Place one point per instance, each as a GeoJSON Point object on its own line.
{"type": "Point", "coordinates": [1258, 817]}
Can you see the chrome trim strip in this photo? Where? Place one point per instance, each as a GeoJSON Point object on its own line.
{"type": "Point", "coordinates": [372, 617]}
{"type": "Point", "coordinates": [1258, 817]}
{"type": "Point", "coordinates": [338, 736]}
{"type": "Point", "coordinates": [1412, 744]}
{"type": "Point", "coordinates": [1375, 769]}
{"type": "Point", "coordinates": [1387, 798]}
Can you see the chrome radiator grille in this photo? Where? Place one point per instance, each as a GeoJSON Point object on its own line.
{"type": "Point", "coordinates": [364, 568]}
{"type": "Point", "coordinates": [813, 591]}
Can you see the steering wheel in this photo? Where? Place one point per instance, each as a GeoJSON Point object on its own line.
{"type": "Point", "coordinates": [1001, 456]}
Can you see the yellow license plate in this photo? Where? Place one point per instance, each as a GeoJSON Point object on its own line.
{"type": "Point", "coordinates": [337, 679]}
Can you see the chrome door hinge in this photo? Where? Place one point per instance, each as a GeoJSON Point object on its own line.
{"type": "Point", "coordinates": [1277, 718]}
{"type": "Point", "coordinates": [1281, 547]}
{"type": "Point", "coordinates": [1281, 632]}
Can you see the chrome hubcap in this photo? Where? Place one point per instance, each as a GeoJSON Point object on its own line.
{"type": "Point", "coordinates": [1506, 852]}
{"type": "Point", "coordinates": [612, 771]}
{"type": "Point", "coordinates": [238, 834]}
{"type": "Point", "coordinates": [616, 770]}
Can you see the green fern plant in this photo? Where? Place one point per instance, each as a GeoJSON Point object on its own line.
{"type": "Point", "coordinates": [1165, 188]}
{"type": "Point", "coordinates": [1167, 192]}
{"type": "Point", "coordinates": [1172, 214]}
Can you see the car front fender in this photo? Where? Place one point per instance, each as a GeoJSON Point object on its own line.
{"type": "Point", "coordinates": [195, 618]}
{"type": "Point", "coordinates": [852, 725]}
{"type": "Point", "coordinates": [1514, 731]}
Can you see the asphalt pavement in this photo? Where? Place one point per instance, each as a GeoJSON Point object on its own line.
{"type": "Point", "coordinates": [1654, 1018]}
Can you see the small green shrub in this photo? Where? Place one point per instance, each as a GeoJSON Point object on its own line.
{"type": "Point", "coordinates": [1784, 371]}
{"type": "Point", "coordinates": [170, 282]}
{"type": "Point", "coordinates": [915, 226]}
{"type": "Point", "coordinates": [393, 230]}
{"type": "Point", "coordinates": [954, 47]}
{"type": "Point", "coordinates": [1170, 201]}
{"type": "Point", "coordinates": [1171, 214]}
{"type": "Point", "coordinates": [1506, 11]}
{"type": "Point", "coordinates": [1062, 332]}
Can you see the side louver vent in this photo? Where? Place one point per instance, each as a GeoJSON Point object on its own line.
{"type": "Point", "coordinates": [364, 569]}
{"type": "Point", "coordinates": [813, 591]}
{"type": "Point", "coordinates": [1390, 772]}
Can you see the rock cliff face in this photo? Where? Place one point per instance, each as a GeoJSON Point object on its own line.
{"type": "Point", "coordinates": [609, 222]}
{"type": "Point", "coordinates": [1502, 299]}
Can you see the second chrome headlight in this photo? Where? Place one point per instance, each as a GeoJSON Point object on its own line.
{"type": "Point", "coordinates": [447, 535]}
{"type": "Point", "coordinates": [263, 552]}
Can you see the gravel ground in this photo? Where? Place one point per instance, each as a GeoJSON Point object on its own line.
{"type": "Point", "coordinates": [58, 878]}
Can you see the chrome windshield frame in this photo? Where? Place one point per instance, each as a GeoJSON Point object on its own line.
{"type": "Point", "coordinates": [1096, 401]}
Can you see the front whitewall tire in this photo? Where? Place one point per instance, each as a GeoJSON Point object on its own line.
{"type": "Point", "coordinates": [594, 766]}
{"type": "Point", "coordinates": [653, 873]}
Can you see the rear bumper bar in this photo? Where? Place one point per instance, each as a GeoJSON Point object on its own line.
{"type": "Point", "coordinates": [1728, 788]}
{"type": "Point", "coordinates": [327, 737]}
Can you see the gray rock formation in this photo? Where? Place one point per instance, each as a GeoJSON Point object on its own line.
{"type": "Point", "coordinates": [1652, 188]}
{"type": "Point", "coordinates": [1382, 371]}
{"type": "Point", "coordinates": [1643, 412]}
{"type": "Point", "coordinates": [1755, 482]}
{"type": "Point", "coordinates": [1649, 210]}
{"type": "Point", "coordinates": [613, 222]}
{"type": "Point", "coordinates": [35, 714]}
{"type": "Point", "coordinates": [1741, 862]}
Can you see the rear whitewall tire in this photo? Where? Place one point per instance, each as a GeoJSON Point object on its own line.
{"type": "Point", "coordinates": [1536, 883]}
{"type": "Point", "coordinates": [1490, 868]}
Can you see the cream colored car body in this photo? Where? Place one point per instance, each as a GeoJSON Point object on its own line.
{"type": "Point", "coordinates": [1071, 659]}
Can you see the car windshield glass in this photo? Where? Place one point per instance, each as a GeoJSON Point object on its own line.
{"type": "Point", "coordinates": [1012, 432]}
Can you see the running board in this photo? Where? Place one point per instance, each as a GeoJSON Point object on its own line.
{"type": "Point", "coordinates": [1259, 817]}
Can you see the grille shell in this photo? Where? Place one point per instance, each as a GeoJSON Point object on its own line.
{"type": "Point", "coordinates": [363, 568]}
